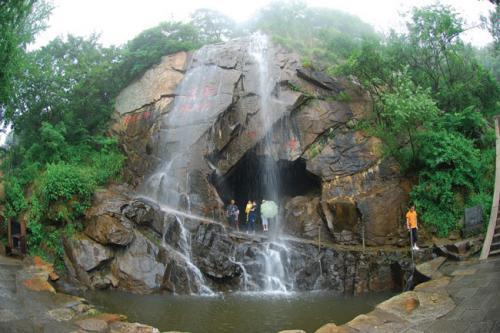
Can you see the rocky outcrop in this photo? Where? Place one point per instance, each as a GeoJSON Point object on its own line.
{"type": "Point", "coordinates": [213, 96]}
{"type": "Point", "coordinates": [107, 230]}
{"type": "Point", "coordinates": [190, 127]}
{"type": "Point", "coordinates": [140, 106]}
{"type": "Point", "coordinates": [138, 268]}
{"type": "Point", "coordinates": [180, 255]}
{"type": "Point", "coordinates": [213, 251]}
{"type": "Point", "coordinates": [370, 203]}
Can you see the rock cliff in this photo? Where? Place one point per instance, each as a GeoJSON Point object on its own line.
{"type": "Point", "coordinates": [192, 122]}
{"type": "Point", "coordinates": [313, 131]}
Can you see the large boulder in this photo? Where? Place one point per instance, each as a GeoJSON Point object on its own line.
{"type": "Point", "coordinates": [303, 219]}
{"type": "Point", "coordinates": [213, 252]}
{"type": "Point", "coordinates": [144, 214]}
{"type": "Point", "coordinates": [138, 268]}
{"type": "Point", "coordinates": [108, 230]}
{"type": "Point", "coordinates": [86, 253]}
{"type": "Point", "coordinates": [367, 205]}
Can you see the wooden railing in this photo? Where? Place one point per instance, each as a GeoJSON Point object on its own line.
{"type": "Point", "coordinates": [496, 196]}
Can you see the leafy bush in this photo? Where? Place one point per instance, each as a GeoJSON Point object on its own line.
{"type": "Point", "coordinates": [450, 164]}
{"type": "Point", "coordinates": [14, 197]}
{"type": "Point", "coordinates": [71, 185]}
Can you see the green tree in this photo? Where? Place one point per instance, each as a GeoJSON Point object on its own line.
{"type": "Point", "coordinates": [20, 21]}
{"type": "Point", "coordinates": [147, 48]}
{"type": "Point", "coordinates": [324, 35]}
{"type": "Point", "coordinates": [212, 25]}
{"type": "Point", "coordinates": [407, 109]}
{"type": "Point", "coordinates": [67, 81]}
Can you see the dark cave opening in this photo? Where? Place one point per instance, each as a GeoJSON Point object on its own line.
{"type": "Point", "coordinates": [247, 180]}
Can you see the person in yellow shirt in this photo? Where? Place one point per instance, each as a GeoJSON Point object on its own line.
{"type": "Point", "coordinates": [248, 208]}
{"type": "Point", "coordinates": [411, 224]}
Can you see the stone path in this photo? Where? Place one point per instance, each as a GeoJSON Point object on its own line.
{"type": "Point", "coordinates": [25, 311]}
{"type": "Point", "coordinates": [475, 288]}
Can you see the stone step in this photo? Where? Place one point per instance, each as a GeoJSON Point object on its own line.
{"type": "Point", "coordinates": [494, 252]}
{"type": "Point", "coordinates": [495, 245]}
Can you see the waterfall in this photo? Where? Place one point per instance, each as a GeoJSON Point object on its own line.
{"type": "Point", "coordinates": [275, 273]}
{"type": "Point", "coordinates": [168, 186]}
{"type": "Point", "coordinates": [198, 101]}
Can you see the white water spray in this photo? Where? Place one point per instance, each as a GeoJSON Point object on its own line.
{"type": "Point", "coordinates": [275, 274]}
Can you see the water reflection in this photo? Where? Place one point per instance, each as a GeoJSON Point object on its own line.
{"type": "Point", "coordinates": [237, 312]}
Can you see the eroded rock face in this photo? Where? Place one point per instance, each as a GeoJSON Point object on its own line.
{"type": "Point", "coordinates": [369, 204]}
{"type": "Point", "coordinates": [303, 219]}
{"type": "Point", "coordinates": [86, 253]}
{"type": "Point", "coordinates": [140, 106]}
{"type": "Point", "coordinates": [138, 268]}
{"type": "Point", "coordinates": [106, 229]}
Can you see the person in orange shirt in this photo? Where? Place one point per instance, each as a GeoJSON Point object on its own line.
{"type": "Point", "coordinates": [411, 224]}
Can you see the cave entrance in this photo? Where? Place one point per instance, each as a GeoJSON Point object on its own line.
{"type": "Point", "coordinates": [247, 180]}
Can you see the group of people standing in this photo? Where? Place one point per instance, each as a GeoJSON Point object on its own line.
{"type": "Point", "coordinates": [268, 212]}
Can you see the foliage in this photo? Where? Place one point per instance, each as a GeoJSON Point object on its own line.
{"type": "Point", "coordinates": [147, 48]}
{"type": "Point", "coordinates": [407, 108]}
{"type": "Point", "coordinates": [20, 21]}
{"type": "Point", "coordinates": [212, 26]}
{"type": "Point", "coordinates": [63, 104]}
{"type": "Point", "coordinates": [432, 99]}
{"type": "Point", "coordinates": [324, 35]}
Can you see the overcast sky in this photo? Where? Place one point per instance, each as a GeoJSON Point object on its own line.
{"type": "Point", "coordinates": [120, 20]}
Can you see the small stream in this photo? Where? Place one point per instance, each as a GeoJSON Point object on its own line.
{"type": "Point", "coordinates": [237, 312]}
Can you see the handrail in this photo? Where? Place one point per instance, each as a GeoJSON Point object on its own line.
{"type": "Point", "coordinates": [496, 196]}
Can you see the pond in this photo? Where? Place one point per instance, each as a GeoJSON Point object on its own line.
{"type": "Point", "coordinates": [237, 312]}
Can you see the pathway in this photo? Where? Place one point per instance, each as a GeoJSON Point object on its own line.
{"type": "Point", "coordinates": [25, 311]}
{"type": "Point", "coordinates": [475, 288]}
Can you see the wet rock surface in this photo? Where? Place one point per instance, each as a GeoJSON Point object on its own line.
{"type": "Point", "coordinates": [187, 256]}
{"type": "Point", "coordinates": [213, 251]}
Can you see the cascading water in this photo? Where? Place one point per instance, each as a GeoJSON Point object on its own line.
{"type": "Point", "coordinates": [190, 116]}
{"type": "Point", "coordinates": [274, 253]}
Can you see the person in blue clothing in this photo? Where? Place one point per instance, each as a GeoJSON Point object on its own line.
{"type": "Point", "coordinates": [252, 216]}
